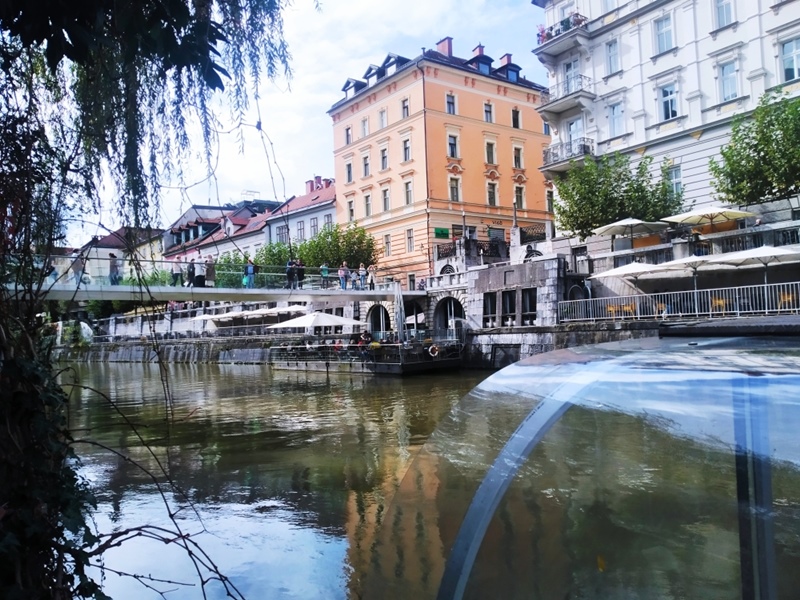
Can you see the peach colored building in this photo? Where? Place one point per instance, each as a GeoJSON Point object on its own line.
{"type": "Point", "coordinates": [428, 145]}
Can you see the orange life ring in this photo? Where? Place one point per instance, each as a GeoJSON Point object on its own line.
{"type": "Point", "coordinates": [433, 350]}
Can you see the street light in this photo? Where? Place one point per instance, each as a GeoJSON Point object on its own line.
{"type": "Point", "coordinates": [514, 205]}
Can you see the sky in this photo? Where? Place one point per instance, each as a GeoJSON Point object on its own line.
{"type": "Point", "coordinates": [328, 45]}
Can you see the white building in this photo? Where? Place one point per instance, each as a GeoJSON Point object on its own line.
{"type": "Point", "coordinates": [663, 78]}
{"type": "Point", "coordinates": [302, 217]}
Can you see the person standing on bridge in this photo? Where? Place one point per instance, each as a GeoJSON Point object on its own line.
{"type": "Point", "coordinates": [291, 275]}
{"type": "Point", "coordinates": [323, 273]}
{"type": "Point", "coordinates": [250, 274]}
{"type": "Point", "coordinates": [211, 271]}
{"type": "Point", "coordinates": [344, 275]}
{"type": "Point", "coordinates": [371, 276]}
{"type": "Point", "coordinates": [300, 269]}
{"type": "Point", "coordinates": [200, 277]}
{"type": "Point", "coordinates": [362, 276]}
{"type": "Point", "coordinates": [77, 266]}
{"type": "Point", "coordinates": [177, 272]}
{"type": "Point", "coordinates": [190, 273]}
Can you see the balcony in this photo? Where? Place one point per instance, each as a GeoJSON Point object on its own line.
{"type": "Point", "coordinates": [561, 37]}
{"type": "Point", "coordinates": [574, 92]}
{"type": "Point", "coordinates": [558, 156]}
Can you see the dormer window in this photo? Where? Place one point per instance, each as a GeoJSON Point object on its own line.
{"type": "Point", "coordinates": [483, 68]}
{"type": "Point", "coordinates": [513, 76]}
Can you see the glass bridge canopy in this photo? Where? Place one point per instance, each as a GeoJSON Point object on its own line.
{"type": "Point", "coordinates": [655, 468]}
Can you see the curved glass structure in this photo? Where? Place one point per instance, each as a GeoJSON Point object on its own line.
{"type": "Point", "coordinates": [657, 468]}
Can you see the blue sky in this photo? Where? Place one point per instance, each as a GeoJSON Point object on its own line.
{"type": "Point", "coordinates": [329, 45]}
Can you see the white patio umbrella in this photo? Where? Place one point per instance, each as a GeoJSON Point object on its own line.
{"type": "Point", "coordinates": [763, 255]}
{"type": "Point", "coordinates": [277, 310]}
{"type": "Point", "coordinates": [634, 269]}
{"type": "Point", "coordinates": [708, 215]}
{"type": "Point", "coordinates": [205, 317]}
{"type": "Point", "coordinates": [687, 263]}
{"type": "Point", "coordinates": [315, 319]}
{"type": "Point", "coordinates": [630, 226]}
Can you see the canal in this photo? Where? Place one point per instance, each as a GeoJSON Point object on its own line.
{"type": "Point", "coordinates": [284, 477]}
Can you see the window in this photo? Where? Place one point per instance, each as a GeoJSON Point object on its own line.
{"type": "Point", "coordinates": [674, 179]}
{"type": "Point", "coordinates": [549, 199]}
{"type": "Point", "coordinates": [663, 34]}
{"type": "Point", "coordinates": [348, 173]}
{"type": "Point", "coordinates": [490, 153]}
{"type": "Point", "coordinates": [385, 198]}
{"type": "Point", "coordinates": [367, 205]}
{"type": "Point", "coordinates": [488, 115]}
{"type": "Point", "coordinates": [351, 213]}
{"type": "Point", "coordinates": [727, 81]}
{"type": "Point", "coordinates": [408, 193]}
{"type": "Point", "coordinates": [384, 159]}
{"type": "Point", "coordinates": [546, 129]}
{"type": "Point", "coordinates": [513, 76]}
{"type": "Point", "coordinates": [528, 306]}
{"type": "Point", "coordinates": [519, 196]}
{"type": "Point", "coordinates": [412, 281]}
{"type": "Point", "coordinates": [615, 123]}
{"type": "Point", "coordinates": [515, 118]}
{"type": "Point", "coordinates": [491, 193]}
{"type": "Point", "coordinates": [409, 240]}
{"type": "Point", "coordinates": [365, 161]}
{"type": "Point", "coordinates": [668, 102]}
{"type": "Point", "coordinates": [490, 309]}
{"type": "Point", "coordinates": [518, 158]}
{"type": "Point", "coordinates": [365, 127]}
{"type": "Point", "coordinates": [509, 315]}
{"type": "Point", "coordinates": [609, 5]}
{"type": "Point", "coordinates": [348, 135]}
{"type": "Point", "coordinates": [455, 196]}
{"type": "Point", "coordinates": [724, 13]}
{"type": "Point", "coordinates": [387, 245]}
{"type": "Point", "coordinates": [790, 54]}
{"type": "Point", "coordinates": [406, 150]}
{"type": "Point", "coordinates": [328, 220]}
{"type": "Point", "coordinates": [283, 233]}
{"type": "Point", "coordinates": [301, 230]}
{"type": "Point", "coordinates": [404, 108]}
{"type": "Point", "coordinates": [450, 104]}
{"type": "Point", "coordinates": [452, 146]}
{"type": "Point", "coordinates": [382, 118]}
{"type": "Point", "coordinates": [483, 68]}
{"type": "Point", "coordinates": [612, 57]}
{"type": "Point", "coordinates": [314, 228]}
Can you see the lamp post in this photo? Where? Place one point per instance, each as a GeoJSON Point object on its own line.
{"type": "Point", "coordinates": [514, 206]}
{"type": "Point", "coordinates": [463, 224]}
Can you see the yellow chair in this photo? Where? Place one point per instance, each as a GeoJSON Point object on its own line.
{"type": "Point", "coordinates": [788, 299]}
{"type": "Point", "coordinates": [629, 309]}
{"type": "Point", "coordinates": [718, 305]}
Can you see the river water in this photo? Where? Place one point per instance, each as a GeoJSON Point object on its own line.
{"type": "Point", "coordinates": [283, 475]}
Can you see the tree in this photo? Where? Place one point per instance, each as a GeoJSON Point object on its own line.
{"type": "Point", "coordinates": [607, 190]}
{"type": "Point", "coordinates": [761, 163]}
{"type": "Point", "coordinates": [338, 243]}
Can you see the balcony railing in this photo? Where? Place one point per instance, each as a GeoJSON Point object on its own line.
{"type": "Point", "coordinates": [532, 233]}
{"type": "Point", "coordinates": [568, 150]}
{"type": "Point", "coordinates": [574, 21]}
{"type": "Point", "coordinates": [448, 250]}
{"type": "Point", "coordinates": [571, 85]}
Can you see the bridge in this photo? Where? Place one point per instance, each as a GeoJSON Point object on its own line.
{"type": "Point", "coordinates": [162, 293]}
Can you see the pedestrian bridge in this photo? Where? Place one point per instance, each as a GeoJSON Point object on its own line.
{"type": "Point", "coordinates": [163, 293]}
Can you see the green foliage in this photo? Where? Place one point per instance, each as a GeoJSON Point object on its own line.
{"type": "Point", "coordinates": [337, 243]}
{"type": "Point", "coordinates": [608, 190]}
{"type": "Point", "coordinates": [761, 163]}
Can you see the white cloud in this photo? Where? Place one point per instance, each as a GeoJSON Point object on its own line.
{"type": "Point", "coordinates": [327, 47]}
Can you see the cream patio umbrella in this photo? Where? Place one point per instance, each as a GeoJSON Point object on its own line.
{"type": "Point", "coordinates": [315, 319]}
{"type": "Point", "coordinates": [630, 226]}
{"type": "Point", "coordinates": [634, 270]}
{"type": "Point", "coordinates": [763, 255]}
{"type": "Point", "coordinates": [708, 215]}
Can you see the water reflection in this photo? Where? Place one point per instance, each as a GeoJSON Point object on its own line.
{"type": "Point", "coordinates": [289, 472]}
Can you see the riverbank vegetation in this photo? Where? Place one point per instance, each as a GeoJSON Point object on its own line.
{"type": "Point", "coordinates": [97, 100]}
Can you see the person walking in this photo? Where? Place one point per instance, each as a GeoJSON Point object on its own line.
{"type": "Point", "coordinates": [200, 276]}
{"type": "Point", "coordinates": [190, 273]}
{"type": "Point", "coordinates": [371, 270]}
{"type": "Point", "coordinates": [291, 274]}
{"type": "Point", "coordinates": [177, 272]}
{"type": "Point", "coordinates": [362, 276]}
{"type": "Point", "coordinates": [344, 275]}
{"type": "Point", "coordinates": [249, 274]}
{"type": "Point", "coordinates": [114, 276]}
{"type": "Point", "coordinates": [300, 270]}
{"type": "Point", "coordinates": [77, 266]}
{"type": "Point", "coordinates": [323, 273]}
{"type": "Point", "coordinates": [211, 271]}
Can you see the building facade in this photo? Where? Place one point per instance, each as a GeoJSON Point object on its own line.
{"type": "Point", "coordinates": [661, 78]}
{"type": "Point", "coordinates": [435, 149]}
{"type": "Point", "coordinates": [302, 217]}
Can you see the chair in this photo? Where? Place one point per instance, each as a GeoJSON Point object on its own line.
{"type": "Point", "coordinates": [788, 299]}
{"type": "Point", "coordinates": [612, 310]}
{"type": "Point", "coordinates": [629, 309]}
{"type": "Point", "coordinates": [718, 305]}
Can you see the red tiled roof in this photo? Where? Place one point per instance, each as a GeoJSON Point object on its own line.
{"type": "Point", "coordinates": [125, 235]}
{"type": "Point", "coordinates": [321, 196]}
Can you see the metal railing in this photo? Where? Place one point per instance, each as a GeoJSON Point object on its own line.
{"type": "Point", "coordinates": [719, 302]}
{"type": "Point", "coordinates": [532, 233]}
{"type": "Point", "coordinates": [573, 21]}
{"type": "Point", "coordinates": [487, 248]}
{"type": "Point", "coordinates": [568, 150]}
{"type": "Point", "coordinates": [448, 250]}
{"type": "Point", "coordinates": [570, 85]}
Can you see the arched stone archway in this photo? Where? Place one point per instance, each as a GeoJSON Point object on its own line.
{"type": "Point", "coordinates": [447, 270]}
{"type": "Point", "coordinates": [447, 308]}
{"type": "Point", "coordinates": [378, 318]}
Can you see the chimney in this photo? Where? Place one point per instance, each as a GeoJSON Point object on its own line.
{"type": "Point", "coordinates": [505, 60]}
{"type": "Point", "coordinates": [445, 46]}
{"type": "Point", "coordinates": [309, 186]}
{"type": "Point", "coordinates": [327, 183]}
{"type": "Point", "coordinates": [317, 182]}
{"type": "Point", "coordinates": [477, 50]}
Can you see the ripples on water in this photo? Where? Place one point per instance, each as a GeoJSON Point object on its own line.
{"type": "Point", "coordinates": [289, 472]}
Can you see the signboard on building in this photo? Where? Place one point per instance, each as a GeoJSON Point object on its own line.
{"type": "Point", "coordinates": [441, 233]}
